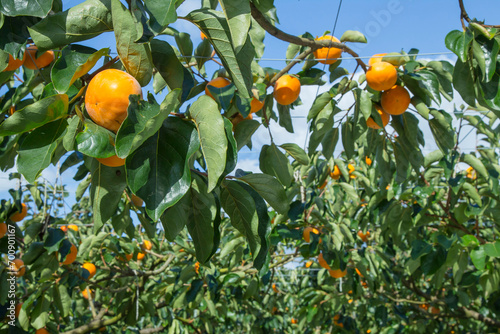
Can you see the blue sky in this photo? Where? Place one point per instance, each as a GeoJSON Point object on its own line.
{"type": "Point", "coordinates": [389, 25]}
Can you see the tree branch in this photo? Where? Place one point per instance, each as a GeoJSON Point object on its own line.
{"type": "Point", "coordinates": [95, 324]}
{"type": "Point", "coordinates": [313, 44]}
{"type": "Point", "coordinates": [466, 17]}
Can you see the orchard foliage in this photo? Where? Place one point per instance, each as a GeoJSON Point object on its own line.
{"type": "Point", "coordinates": [426, 259]}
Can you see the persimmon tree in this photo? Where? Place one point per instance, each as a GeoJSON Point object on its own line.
{"type": "Point", "coordinates": [171, 238]}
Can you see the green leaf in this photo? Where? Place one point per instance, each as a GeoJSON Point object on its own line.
{"type": "Point", "coordinates": [273, 162]}
{"type": "Point", "coordinates": [492, 249]}
{"type": "Point", "coordinates": [353, 36]}
{"type": "Point", "coordinates": [200, 215]}
{"type": "Point", "coordinates": [107, 186]}
{"type": "Point", "coordinates": [319, 104]}
{"type": "Point", "coordinates": [39, 315]}
{"type": "Point", "coordinates": [161, 14]}
{"type": "Point", "coordinates": [238, 18]}
{"type": "Point", "coordinates": [55, 237]}
{"type": "Point", "coordinates": [62, 299]}
{"type": "Point", "coordinates": [95, 141]}
{"type": "Point", "coordinates": [79, 23]}
{"type": "Point", "coordinates": [285, 119]}
{"type": "Point", "coordinates": [478, 258]}
{"type": "Point", "coordinates": [134, 56]}
{"type": "Point", "coordinates": [37, 149]}
{"type": "Point", "coordinates": [296, 152]}
{"type": "Point", "coordinates": [170, 68]}
{"type": "Point", "coordinates": [464, 83]}
{"type": "Point", "coordinates": [232, 152]}
{"type": "Point", "coordinates": [158, 171]}
{"type": "Point", "coordinates": [433, 261]}
{"type": "Point", "coordinates": [35, 115]}
{"type": "Point", "coordinates": [144, 119]}
{"type": "Point", "coordinates": [185, 46]}
{"type": "Point", "coordinates": [270, 189]}
{"type": "Point", "coordinates": [472, 193]}
{"type": "Point", "coordinates": [442, 130]}
{"type": "Point", "coordinates": [241, 207]}
{"type": "Point", "coordinates": [75, 61]}
{"type": "Point", "coordinates": [329, 142]}
{"type": "Point", "coordinates": [203, 52]}
{"type": "Point", "coordinates": [243, 132]}
{"type": "Point", "coordinates": [348, 137]}
{"type": "Point", "coordinates": [459, 42]}
{"type": "Point", "coordinates": [38, 8]}
{"type": "Point", "coordinates": [210, 124]}
{"type": "Point", "coordinates": [236, 62]}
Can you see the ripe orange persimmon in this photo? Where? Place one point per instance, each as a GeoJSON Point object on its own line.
{"type": "Point", "coordinates": [218, 82]}
{"type": "Point", "coordinates": [137, 201]}
{"type": "Point", "coordinates": [71, 256]}
{"type": "Point", "coordinates": [275, 289]}
{"type": "Point", "coordinates": [18, 309]}
{"type": "Point", "coordinates": [294, 321]}
{"type": "Point", "coordinates": [140, 256]}
{"type": "Point", "coordinates": [471, 173]}
{"type": "Point", "coordinates": [14, 64]}
{"type": "Point", "coordinates": [395, 101]}
{"type": "Point", "coordinates": [18, 267]}
{"type": "Point", "coordinates": [376, 58]}
{"type": "Point", "coordinates": [363, 236]}
{"type": "Point", "coordinates": [85, 293]}
{"type": "Point", "coordinates": [351, 171]}
{"type": "Point", "coordinates": [107, 97]}
{"type": "Point", "coordinates": [255, 105]}
{"type": "Point", "coordinates": [383, 115]}
{"type": "Point", "coordinates": [286, 89]}
{"type": "Point", "coordinates": [18, 216]}
{"type": "Point", "coordinates": [307, 233]}
{"type": "Point", "coordinates": [90, 267]}
{"type": "Point", "coordinates": [336, 173]}
{"type": "Point", "coordinates": [3, 230]}
{"type": "Point", "coordinates": [337, 273]}
{"type": "Point", "coordinates": [327, 56]}
{"type": "Point", "coordinates": [381, 76]}
{"type": "Point", "coordinates": [322, 262]}
{"type": "Point", "coordinates": [42, 331]}
{"type": "Point", "coordinates": [309, 264]}
{"type": "Point", "coordinates": [33, 62]}
{"type": "Point", "coordinates": [197, 267]}
{"type": "Point", "coordinates": [368, 161]}
{"type": "Point", "coordinates": [73, 227]}
{"type": "Point", "coordinates": [146, 245]}
{"type": "Point", "coordinates": [64, 228]}
{"type": "Point", "coordinates": [112, 161]}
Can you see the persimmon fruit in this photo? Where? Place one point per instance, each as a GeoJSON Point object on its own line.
{"type": "Point", "coordinates": [90, 267]}
{"type": "Point", "coordinates": [18, 216]}
{"type": "Point", "coordinates": [218, 82]}
{"type": "Point", "coordinates": [381, 76]}
{"type": "Point", "coordinates": [395, 101]}
{"type": "Point", "coordinates": [286, 90]}
{"type": "Point", "coordinates": [71, 256]}
{"type": "Point", "coordinates": [112, 161]}
{"type": "Point", "coordinates": [33, 62]}
{"type": "Point", "coordinates": [327, 55]}
{"type": "Point", "coordinates": [14, 64]}
{"type": "Point", "coordinates": [107, 97]}
{"type": "Point", "coordinates": [383, 115]}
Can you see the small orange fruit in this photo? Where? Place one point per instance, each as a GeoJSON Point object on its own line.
{"type": "Point", "coordinates": [3, 229]}
{"type": "Point", "coordinates": [146, 244]}
{"type": "Point", "coordinates": [395, 101]}
{"type": "Point", "coordinates": [64, 228]}
{"type": "Point", "coordinates": [337, 273]}
{"type": "Point", "coordinates": [294, 321]}
{"type": "Point", "coordinates": [327, 56]}
{"type": "Point", "coordinates": [351, 171]}
{"type": "Point", "coordinates": [376, 58]}
{"type": "Point", "coordinates": [434, 310]}
{"type": "Point", "coordinates": [112, 161]}
{"type": "Point", "coordinates": [137, 201]}
{"type": "Point", "coordinates": [275, 289]}
{"type": "Point", "coordinates": [255, 105]}
{"type": "Point", "coordinates": [14, 64]}
{"type": "Point", "coordinates": [18, 216]}
{"type": "Point", "coordinates": [381, 76]}
{"type": "Point", "coordinates": [34, 63]}
{"type": "Point", "coordinates": [384, 116]}
{"type": "Point", "coordinates": [18, 267]}
{"type": "Point", "coordinates": [363, 236]}
{"type": "Point", "coordinates": [286, 89]}
{"type": "Point", "coordinates": [218, 82]}
{"type": "Point", "coordinates": [85, 293]}
{"type": "Point", "coordinates": [90, 267]}
{"type": "Point", "coordinates": [359, 272]}
{"type": "Point", "coordinates": [471, 173]}
{"type": "Point", "coordinates": [140, 256]}
{"type": "Point", "coordinates": [129, 256]}
{"type": "Point", "coordinates": [42, 331]}
{"type": "Point", "coordinates": [71, 256]}
{"type": "Point", "coordinates": [107, 97]}
{"type": "Point", "coordinates": [336, 173]}
{"type": "Point", "coordinates": [73, 227]}
{"type": "Point", "coordinates": [18, 309]}
{"type": "Point", "coordinates": [238, 118]}
{"type": "Point", "coordinates": [322, 262]}
{"type": "Point", "coordinates": [309, 264]}
{"type": "Point", "coordinates": [368, 161]}
{"type": "Point", "coordinates": [307, 233]}
{"type": "Point", "coordinates": [323, 185]}
{"type": "Point", "coordinates": [197, 267]}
